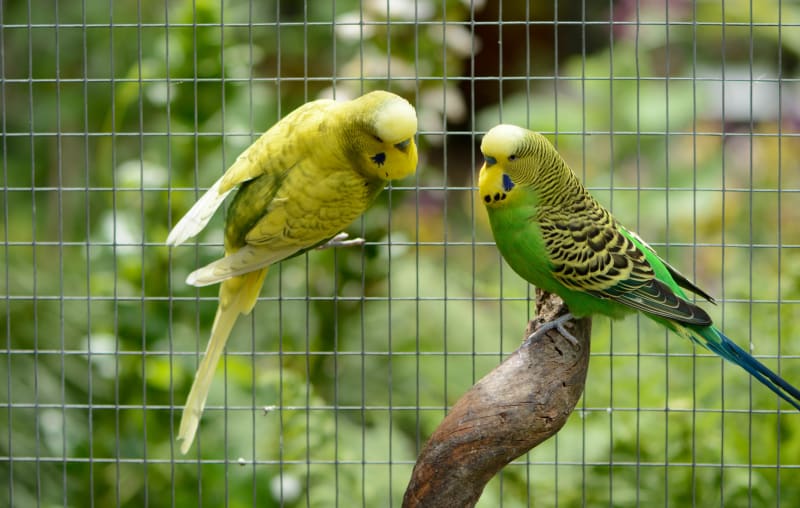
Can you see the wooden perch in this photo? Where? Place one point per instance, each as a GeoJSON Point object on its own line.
{"type": "Point", "coordinates": [519, 404]}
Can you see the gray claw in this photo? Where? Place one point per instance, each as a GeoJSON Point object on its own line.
{"type": "Point", "coordinates": [557, 324]}
{"type": "Point", "coordinates": [340, 240]}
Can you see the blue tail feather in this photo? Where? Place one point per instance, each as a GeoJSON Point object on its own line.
{"type": "Point", "coordinates": [728, 349]}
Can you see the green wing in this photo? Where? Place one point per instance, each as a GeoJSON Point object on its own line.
{"type": "Point", "coordinates": [589, 252]}
{"type": "Point", "coordinates": [679, 278]}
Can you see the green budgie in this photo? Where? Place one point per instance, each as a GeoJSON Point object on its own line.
{"type": "Point", "coordinates": [554, 234]}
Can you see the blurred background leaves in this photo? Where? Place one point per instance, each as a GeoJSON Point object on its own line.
{"type": "Point", "coordinates": [117, 115]}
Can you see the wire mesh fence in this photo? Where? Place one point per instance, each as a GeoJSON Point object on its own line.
{"type": "Point", "coordinates": [680, 117]}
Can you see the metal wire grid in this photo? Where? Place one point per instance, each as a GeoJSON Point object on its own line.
{"type": "Point", "coordinates": [101, 342]}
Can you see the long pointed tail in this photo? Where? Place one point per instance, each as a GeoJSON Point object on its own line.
{"type": "Point", "coordinates": [717, 342]}
{"type": "Point", "coordinates": [236, 296]}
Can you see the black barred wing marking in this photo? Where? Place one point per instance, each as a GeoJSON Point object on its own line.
{"type": "Point", "coordinates": [589, 253]}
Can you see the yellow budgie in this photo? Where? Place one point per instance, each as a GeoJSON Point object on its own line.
{"type": "Point", "coordinates": [300, 183]}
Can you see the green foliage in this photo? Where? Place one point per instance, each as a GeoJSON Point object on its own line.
{"type": "Point", "coordinates": [362, 350]}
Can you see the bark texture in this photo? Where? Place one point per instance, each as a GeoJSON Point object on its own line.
{"type": "Point", "coordinates": [521, 403]}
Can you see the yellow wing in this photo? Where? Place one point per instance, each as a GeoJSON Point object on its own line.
{"type": "Point", "coordinates": [255, 161]}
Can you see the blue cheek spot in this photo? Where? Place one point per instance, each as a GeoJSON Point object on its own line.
{"type": "Point", "coordinates": [379, 158]}
{"type": "Point", "coordinates": [490, 161]}
{"type": "Point", "coordinates": [507, 183]}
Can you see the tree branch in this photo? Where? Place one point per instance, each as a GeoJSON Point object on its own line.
{"type": "Point", "coordinates": [519, 404]}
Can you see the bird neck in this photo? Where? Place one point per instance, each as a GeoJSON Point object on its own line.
{"type": "Point", "coordinates": [556, 184]}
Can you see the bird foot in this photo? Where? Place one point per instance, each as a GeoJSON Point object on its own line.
{"type": "Point", "coordinates": [557, 324]}
{"type": "Point", "coordinates": [341, 240]}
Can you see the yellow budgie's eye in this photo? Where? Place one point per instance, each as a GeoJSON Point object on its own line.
{"type": "Point", "coordinates": [379, 158]}
{"type": "Point", "coordinates": [403, 145]}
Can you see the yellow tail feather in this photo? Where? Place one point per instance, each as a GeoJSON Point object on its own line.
{"type": "Point", "coordinates": [236, 296]}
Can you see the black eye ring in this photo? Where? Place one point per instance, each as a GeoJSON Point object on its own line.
{"type": "Point", "coordinates": [512, 157]}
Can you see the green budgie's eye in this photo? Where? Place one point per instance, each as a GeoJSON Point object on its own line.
{"type": "Point", "coordinates": [512, 157]}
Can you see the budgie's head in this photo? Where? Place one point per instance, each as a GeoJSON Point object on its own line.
{"type": "Point", "coordinates": [383, 135]}
{"type": "Point", "coordinates": [515, 158]}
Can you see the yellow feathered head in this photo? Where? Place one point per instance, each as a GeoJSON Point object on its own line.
{"type": "Point", "coordinates": [384, 134]}
{"type": "Point", "coordinates": [514, 158]}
